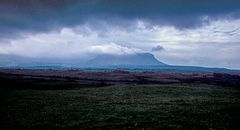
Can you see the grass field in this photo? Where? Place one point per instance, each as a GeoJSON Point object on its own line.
{"type": "Point", "coordinates": [123, 106]}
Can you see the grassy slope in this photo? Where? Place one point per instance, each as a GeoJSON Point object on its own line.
{"type": "Point", "coordinates": [170, 106]}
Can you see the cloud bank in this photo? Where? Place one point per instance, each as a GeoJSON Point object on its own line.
{"type": "Point", "coordinates": [33, 16]}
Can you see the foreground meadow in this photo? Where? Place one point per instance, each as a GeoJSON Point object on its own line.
{"type": "Point", "coordinates": [122, 106]}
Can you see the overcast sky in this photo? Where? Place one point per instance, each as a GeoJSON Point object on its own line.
{"type": "Point", "coordinates": [179, 32]}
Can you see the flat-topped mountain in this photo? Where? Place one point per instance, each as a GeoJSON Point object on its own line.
{"type": "Point", "coordinates": [138, 59]}
{"type": "Point", "coordinates": [103, 62]}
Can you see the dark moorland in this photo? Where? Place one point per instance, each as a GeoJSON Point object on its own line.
{"type": "Point", "coordinates": [73, 99]}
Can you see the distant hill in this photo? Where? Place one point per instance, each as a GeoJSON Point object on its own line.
{"type": "Point", "coordinates": [131, 62]}
{"type": "Point", "coordinates": [21, 61]}
{"type": "Point", "coordinates": [138, 59]}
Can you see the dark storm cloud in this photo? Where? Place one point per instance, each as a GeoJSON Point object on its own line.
{"type": "Point", "coordinates": [33, 16]}
{"type": "Point", "coordinates": [158, 48]}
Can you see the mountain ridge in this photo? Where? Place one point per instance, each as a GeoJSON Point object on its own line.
{"type": "Point", "coordinates": [137, 59]}
{"type": "Point", "coordinates": [145, 62]}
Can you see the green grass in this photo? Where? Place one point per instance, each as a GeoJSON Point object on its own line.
{"type": "Point", "coordinates": [170, 106]}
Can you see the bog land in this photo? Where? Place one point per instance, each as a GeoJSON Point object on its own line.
{"type": "Point", "coordinates": [73, 99]}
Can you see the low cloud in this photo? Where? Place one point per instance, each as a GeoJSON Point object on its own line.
{"type": "Point", "coordinates": [157, 48]}
{"type": "Point", "coordinates": [113, 49]}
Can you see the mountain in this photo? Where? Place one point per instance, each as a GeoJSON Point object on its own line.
{"type": "Point", "coordinates": [138, 59]}
{"type": "Point", "coordinates": [21, 61]}
{"type": "Point", "coordinates": [130, 62]}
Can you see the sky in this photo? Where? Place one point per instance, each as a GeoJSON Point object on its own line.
{"type": "Point", "coordinates": [177, 32]}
